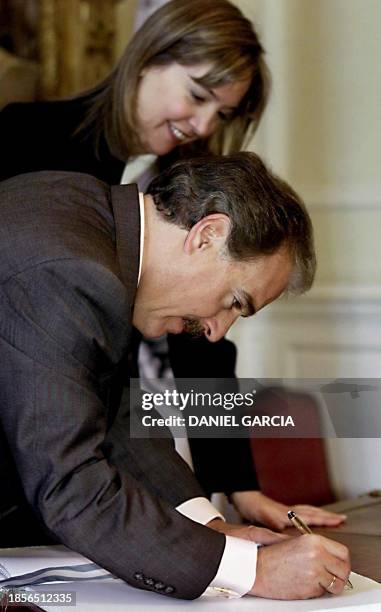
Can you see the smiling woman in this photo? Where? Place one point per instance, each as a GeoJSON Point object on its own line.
{"type": "Point", "coordinates": [175, 108]}
{"type": "Point", "coordinates": [192, 80]}
{"type": "Point", "coordinates": [203, 49]}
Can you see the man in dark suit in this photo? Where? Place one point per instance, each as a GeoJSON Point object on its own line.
{"type": "Point", "coordinates": [221, 465]}
{"type": "Point", "coordinates": [80, 264]}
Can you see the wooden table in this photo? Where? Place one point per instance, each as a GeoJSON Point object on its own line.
{"type": "Point", "coordinates": [361, 533]}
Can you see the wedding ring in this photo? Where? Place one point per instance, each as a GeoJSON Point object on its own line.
{"type": "Point", "coordinates": [331, 583]}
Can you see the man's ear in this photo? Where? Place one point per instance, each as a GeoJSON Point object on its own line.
{"type": "Point", "coordinates": [211, 231]}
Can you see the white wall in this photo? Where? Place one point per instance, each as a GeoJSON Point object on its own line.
{"type": "Point", "coordinates": [322, 133]}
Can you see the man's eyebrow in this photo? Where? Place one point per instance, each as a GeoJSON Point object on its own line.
{"type": "Point", "coordinates": [248, 308]}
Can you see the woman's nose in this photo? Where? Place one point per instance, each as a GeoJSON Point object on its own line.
{"type": "Point", "coordinates": [203, 122]}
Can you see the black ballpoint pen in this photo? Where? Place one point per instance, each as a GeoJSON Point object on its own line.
{"type": "Point", "coordinates": [304, 529]}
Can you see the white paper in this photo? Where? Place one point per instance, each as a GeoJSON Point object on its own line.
{"type": "Point", "coordinates": [117, 595]}
{"type": "Point", "coordinates": [113, 595]}
{"type": "Point", "coordinates": [360, 608]}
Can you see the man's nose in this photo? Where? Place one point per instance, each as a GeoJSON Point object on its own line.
{"type": "Point", "coordinates": [204, 122]}
{"type": "Point", "coordinates": [217, 327]}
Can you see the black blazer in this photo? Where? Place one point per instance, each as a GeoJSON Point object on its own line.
{"type": "Point", "coordinates": [69, 258]}
{"type": "Point", "coordinates": [40, 136]}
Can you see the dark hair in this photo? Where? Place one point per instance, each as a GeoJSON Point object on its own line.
{"type": "Point", "coordinates": [188, 32]}
{"type": "Point", "coordinates": [265, 213]}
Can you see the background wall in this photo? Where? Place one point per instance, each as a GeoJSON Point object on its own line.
{"type": "Point", "coordinates": [126, 13]}
{"type": "Point", "coordinates": [321, 133]}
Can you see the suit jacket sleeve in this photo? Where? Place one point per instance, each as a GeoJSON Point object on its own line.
{"type": "Point", "coordinates": [221, 464]}
{"type": "Point", "coordinates": [170, 478]}
{"type": "Point", "coordinates": [61, 336]}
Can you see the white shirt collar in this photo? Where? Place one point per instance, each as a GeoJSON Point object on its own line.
{"type": "Point", "coordinates": [136, 167]}
{"type": "Point", "coordinates": [142, 228]}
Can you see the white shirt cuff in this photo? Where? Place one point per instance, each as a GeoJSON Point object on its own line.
{"type": "Point", "coordinates": [236, 573]}
{"type": "Point", "coordinates": [199, 509]}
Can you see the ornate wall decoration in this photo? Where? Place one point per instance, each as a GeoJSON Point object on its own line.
{"type": "Point", "coordinates": [72, 41]}
{"type": "Point", "coordinates": [76, 41]}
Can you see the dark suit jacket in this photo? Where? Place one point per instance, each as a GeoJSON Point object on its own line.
{"type": "Point", "coordinates": [39, 136]}
{"type": "Point", "coordinates": [69, 255]}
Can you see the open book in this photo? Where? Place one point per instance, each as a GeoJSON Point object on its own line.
{"type": "Point", "coordinates": [52, 569]}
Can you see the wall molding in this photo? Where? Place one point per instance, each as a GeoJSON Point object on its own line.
{"type": "Point", "coordinates": [341, 206]}
{"type": "Point", "coordinates": [330, 299]}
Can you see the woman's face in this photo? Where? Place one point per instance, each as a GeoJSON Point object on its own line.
{"type": "Point", "coordinates": [173, 109]}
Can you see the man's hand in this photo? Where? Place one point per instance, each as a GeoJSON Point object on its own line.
{"type": "Point", "coordinates": [247, 532]}
{"type": "Point", "coordinates": [301, 568]}
{"type": "Point", "coordinates": [258, 508]}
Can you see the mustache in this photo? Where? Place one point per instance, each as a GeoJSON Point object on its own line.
{"type": "Point", "coordinates": [193, 328]}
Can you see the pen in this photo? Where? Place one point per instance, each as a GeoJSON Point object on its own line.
{"type": "Point", "coordinates": [303, 528]}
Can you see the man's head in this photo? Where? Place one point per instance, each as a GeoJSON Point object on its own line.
{"type": "Point", "coordinates": [224, 238]}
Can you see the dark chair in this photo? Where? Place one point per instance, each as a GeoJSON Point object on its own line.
{"type": "Point", "coordinates": [292, 470]}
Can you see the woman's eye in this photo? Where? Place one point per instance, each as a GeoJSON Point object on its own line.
{"type": "Point", "coordinates": [236, 304]}
{"type": "Point", "coordinates": [197, 97]}
{"type": "Point", "coordinates": [224, 116]}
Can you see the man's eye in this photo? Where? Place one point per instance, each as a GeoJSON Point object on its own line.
{"type": "Point", "coordinates": [236, 304]}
